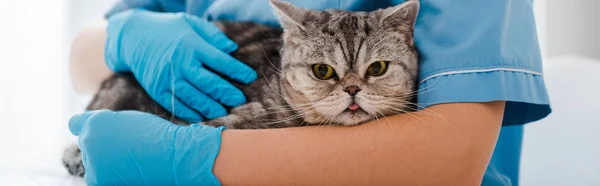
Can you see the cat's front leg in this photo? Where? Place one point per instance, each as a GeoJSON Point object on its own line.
{"type": "Point", "coordinates": [252, 115]}
{"type": "Point", "coordinates": [72, 161]}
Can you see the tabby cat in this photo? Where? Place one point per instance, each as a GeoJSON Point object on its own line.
{"type": "Point", "coordinates": [329, 67]}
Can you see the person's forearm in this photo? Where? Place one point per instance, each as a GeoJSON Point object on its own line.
{"type": "Point", "coordinates": [87, 65]}
{"type": "Point", "coordinates": [399, 150]}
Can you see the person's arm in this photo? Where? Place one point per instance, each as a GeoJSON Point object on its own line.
{"type": "Point", "coordinates": [447, 144]}
{"type": "Point", "coordinates": [86, 60]}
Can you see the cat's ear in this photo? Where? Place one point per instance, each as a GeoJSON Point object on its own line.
{"type": "Point", "coordinates": [403, 15]}
{"type": "Point", "coordinates": [289, 15]}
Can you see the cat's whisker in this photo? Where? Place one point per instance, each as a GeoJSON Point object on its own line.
{"type": "Point", "coordinates": [273, 112]}
{"type": "Point", "coordinates": [389, 124]}
{"type": "Point", "coordinates": [297, 111]}
{"type": "Point", "coordinates": [411, 94]}
{"type": "Point", "coordinates": [423, 90]}
{"type": "Point", "coordinates": [269, 83]}
{"type": "Point", "coordinates": [382, 115]}
{"type": "Point", "coordinates": [290, 106]}
{"type": "Point", "coordinates": [295, 116]}
{"type": "Point", "coordinates": [274, 70]}
{"type": "Point", "coordinates": [293, 106]}
{"type": "Point", "coordinates": [270, 62]}
{"type": "Point", "coordinates": [398, 105]}
{"type": "Point", "coordinates": [299, 108]}
{"type": "Point", "coordinates": [403, 103]}
{"type": "Point", "coordinates": [290, 118]}
{"type": "Point", "coordinates": [281, 111]}
{"type": "Point", "coordinates": [418, 118]}
{"type": "Point", "coordinates": [296, 108]}
{"type": "Point", "coordinates": [422, 108]}
{"type": "Point", "coordinates": [427, 111]}
{"type": "Point", "coordinates": [325, 121]}
{"type": "Point", "coordinates": [428, 124]}
{"type": "Point", "coordinates": [377, 118]}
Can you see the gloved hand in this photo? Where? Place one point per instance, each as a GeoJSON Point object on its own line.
{"type": "Point", "coordinates": [168, 53]}
{"type": "Point", "coordinates": [136, 148]}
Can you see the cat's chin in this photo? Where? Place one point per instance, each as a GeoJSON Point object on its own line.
{"type": "Point", "coordinates": [353, 117]}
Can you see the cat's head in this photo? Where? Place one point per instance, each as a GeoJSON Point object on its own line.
{"type": "Point", "coordinates": [342, 67]}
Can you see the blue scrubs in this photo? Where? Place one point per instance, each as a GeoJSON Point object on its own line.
{"type": "Point", "coordinates": [471, 51]}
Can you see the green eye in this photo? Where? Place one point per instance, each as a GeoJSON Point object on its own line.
{"type": "Point", "coordinates": [323, 71]}
{"type": "Point", "coordinates": [378, 68]}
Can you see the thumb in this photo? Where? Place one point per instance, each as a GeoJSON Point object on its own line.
{"type": "Point", "coordinates": [76, 122]}
{"type": "Point", "coordinates": [211, 33]}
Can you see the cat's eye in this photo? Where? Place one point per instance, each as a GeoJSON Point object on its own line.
{"type": "Point", "coordinates": [323, 71]}
{"type": "Point", "coordinates": [378, 68]}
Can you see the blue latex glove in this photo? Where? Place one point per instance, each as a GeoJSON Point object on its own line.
{"type": "Point", "coordinates": [168, 53]}
{"type": "Point", "coordinates": [136, 148]}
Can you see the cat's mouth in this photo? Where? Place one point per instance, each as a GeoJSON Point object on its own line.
{"type": "Point", "coordinates": [353, 115]}
{"type": "Point", "coordinates": [355, 110]}
{"type": "Point", "coordinates": [353, 107]}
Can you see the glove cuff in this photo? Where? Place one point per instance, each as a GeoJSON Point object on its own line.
{"type": "Point", "coordinates": [112, 47]}
{"type": "Point", "coordinates": [196, 148]}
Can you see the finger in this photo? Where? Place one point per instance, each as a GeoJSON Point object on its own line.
{"type": "Point", "coordinates": [199, 101]}
{"type": "Point", "coordinates": [214, 86]}
{"type": "Point", "coordinates": [225, 64]}
{"type": "Point", "coordinates": [77, 121]}
{"type": "Point", "coordinates": [182, 110]}
{"type": "Point", "coordinates": [211, 33]}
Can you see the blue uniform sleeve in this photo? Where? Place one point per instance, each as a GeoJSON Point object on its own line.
{"type": "Point", "coordinates": [481, 51]}
{"type": "Point", "coordinates": [195, 7]}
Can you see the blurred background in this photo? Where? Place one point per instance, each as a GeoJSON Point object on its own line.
{"type": "Point", "coordinates": [36, 98]}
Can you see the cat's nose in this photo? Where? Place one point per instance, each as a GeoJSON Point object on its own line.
{"type": "Point", "coordinates": [352, 90]}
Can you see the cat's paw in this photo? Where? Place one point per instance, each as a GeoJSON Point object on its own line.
{"type": "Point", "coordinates": [72, 161]}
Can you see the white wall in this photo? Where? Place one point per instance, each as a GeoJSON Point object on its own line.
{"type": "Point", "coordinates": [36, 98]}
{"type": "Point", "coordinates": [563, 149]}
{"type": "Point", "coordinates": [540, 12]}
{"type": "Point", "coordinates": [573, 28]}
